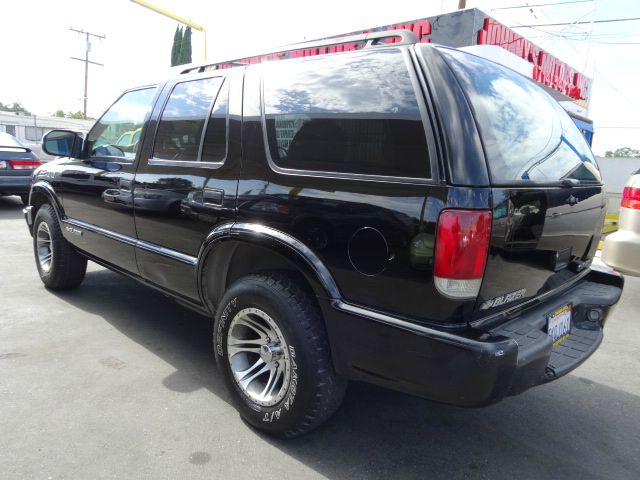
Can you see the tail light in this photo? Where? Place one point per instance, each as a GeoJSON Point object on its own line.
{"type": "Point", "coordinates": [23, 164]}
{"type": "Point", "coordinates": [631, 198]}
{"type": "Point", "coordinates": [461, 247]}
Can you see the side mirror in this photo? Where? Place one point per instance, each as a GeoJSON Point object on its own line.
{"type": "Point", "coordinates": [62, 143]}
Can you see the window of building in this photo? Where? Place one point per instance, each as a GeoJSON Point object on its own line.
{"type": "Point", "coordinates": [33, 134]}
{"type": "Point", "coordinates": [181, 125]}
{"type": "Point", "coordinates": [348, 113]}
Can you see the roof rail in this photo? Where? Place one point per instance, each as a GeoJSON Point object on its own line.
{"type": "Point", "coordinates": [371, 39]}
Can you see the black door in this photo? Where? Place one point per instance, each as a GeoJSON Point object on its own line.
{"type": "Point", "coordinates": [187, 183]}
{"type": "Point", "coordinates": [97, 189]}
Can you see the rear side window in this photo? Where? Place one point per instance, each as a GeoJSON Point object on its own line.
{"type": "Point", "coordinates": [183, 119]}
{"type": "Point", "coordinates": [527, 135]}
{"type": "Point", "coordinates": [353, 113]}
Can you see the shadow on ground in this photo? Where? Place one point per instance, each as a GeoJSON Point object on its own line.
{"type": "Point", "coordinates": [10, 208]}
{"type": "Point", "coordinates": [573, 428]}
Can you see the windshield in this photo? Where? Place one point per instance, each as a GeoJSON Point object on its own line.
{"type": "Point", "coordinates": [527, 135]}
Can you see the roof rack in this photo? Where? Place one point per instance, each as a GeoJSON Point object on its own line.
{"type": "Point", "coordinates": [371, 39]}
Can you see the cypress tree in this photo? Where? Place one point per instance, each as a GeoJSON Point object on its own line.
{"type": "Point", "coordinates": [185, 51]}
{"type": "Point", "coordinates": [176, 47]}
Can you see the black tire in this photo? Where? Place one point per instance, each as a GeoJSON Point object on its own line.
{"type": "Point", "coordinates": [25, 198]}
{"type": "Point", "coordinates": [314, 391]}
{"type": "Point", "coordinates": [67, 267]}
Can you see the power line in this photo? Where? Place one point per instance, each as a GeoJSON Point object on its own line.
{"type": "Point", "coordinates": [577, 23]}
{"type": "Point", "coordinates": [542, 5]}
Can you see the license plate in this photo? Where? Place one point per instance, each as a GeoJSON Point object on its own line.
{"type": "Point", "coordinates": [559, 324]}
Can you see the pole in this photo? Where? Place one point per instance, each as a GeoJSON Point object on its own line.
{"type": "Point", "coordinates": [86, 77]}
{"type": "Point", "coordinates": [86, 65]}
{"type": "Point", "coordinates": [462, 4]}
{"type": "Point", "coordinates": [175, 17]}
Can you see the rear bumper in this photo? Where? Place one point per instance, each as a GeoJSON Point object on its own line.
{"type": "Point", "coordinates": [474, 367]}
{"type": "Point", "coordinates": [621, 251]}
{"type": "Point", "coordinates": [15, 184]}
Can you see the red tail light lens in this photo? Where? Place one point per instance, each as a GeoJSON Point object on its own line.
{"type": "Point", "coordinates": [462, 244]}
{"type": "Point", "coordinates": [24, 164]}
{"type": "Point", "coordinates": [631, 198]}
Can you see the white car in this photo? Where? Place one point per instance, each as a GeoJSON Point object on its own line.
{"type": "Point", "coordinates": [621, 249]}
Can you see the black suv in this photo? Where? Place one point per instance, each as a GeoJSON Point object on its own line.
{"type": "Point", "coordinates": [397, 213]}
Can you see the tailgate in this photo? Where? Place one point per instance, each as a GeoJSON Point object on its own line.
{"type": "Point", "coordinates": [547, 195]}
{"type": "Point", "coordinates": [540, 239]}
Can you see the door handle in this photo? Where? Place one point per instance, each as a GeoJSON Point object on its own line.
{"type": "Point", "coordinates": [213, 196]}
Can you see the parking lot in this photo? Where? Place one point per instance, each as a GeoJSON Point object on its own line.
{"type": "Point", "coordinates": [113, 380]}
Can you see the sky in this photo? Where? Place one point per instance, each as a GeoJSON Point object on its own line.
{"type": "Point", "coordinates": [37, 45]}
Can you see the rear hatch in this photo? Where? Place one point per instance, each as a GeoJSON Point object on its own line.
{"type": "Point", "coordinates": [547, 197]}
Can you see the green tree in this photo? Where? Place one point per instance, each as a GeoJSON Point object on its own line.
{"type": "Point", "coordinates": [185, 51]}
{"type": "Point", "coordinates": [77, 115]}
{"type": "Point", "coordinates": [175, 48]}
{"type": "Point", "coordinates": [58, 113]}
{"type": "Point", "coordinates": [623, 152]}
{"type": "Point", "coordinates": [14, 107]}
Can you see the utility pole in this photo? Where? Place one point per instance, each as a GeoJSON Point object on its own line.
{"type": "Point", "coordinates": [87, 62]}
{"type": "Point", "coordinates": [462, 4]}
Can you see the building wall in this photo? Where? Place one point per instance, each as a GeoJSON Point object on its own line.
{"type": "Point", "coordinates": [615, 172]}
{"type": "Point", "coordinates": [29, 129]}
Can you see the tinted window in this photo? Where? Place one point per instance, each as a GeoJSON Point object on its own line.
{"type": "Point", "coordinates": [126, 115]}
{"type": "Point", "coordinates": [182, 122]}
{"type": "Point", "coordinates": [527, 135]}
{"type": "Point", "coordinates": [214, 147]}
{"type": "Point", "coordinates": [347, 113]}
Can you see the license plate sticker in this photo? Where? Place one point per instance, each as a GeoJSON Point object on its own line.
{"type": "Point", "coordinates": [559, 324]}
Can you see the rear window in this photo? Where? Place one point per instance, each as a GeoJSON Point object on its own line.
{"type": "Point", "coordinates": [346, 113]}
{"type": "Point", "coordinates": [527, 135]}
{"type": "Point", "coordinates": [10, 141]}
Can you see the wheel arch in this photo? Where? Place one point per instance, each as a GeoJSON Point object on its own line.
{"type": "Point", "coordinates": [42, 192]}
{"type": "Point", "coordinates": [233, 251]}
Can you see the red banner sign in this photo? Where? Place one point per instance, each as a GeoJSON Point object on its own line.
{"type": "Point", "coordinates": [547, 69]}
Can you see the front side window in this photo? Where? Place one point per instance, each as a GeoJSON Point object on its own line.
{"type": "Point", "coordinates": [183, 119]}
{"type": "Point", "coordinates": [527, 135]}
{"type": "Point", "coordinates": [347, 113]}
{"type": "Point", "coordinates": [128, 114]}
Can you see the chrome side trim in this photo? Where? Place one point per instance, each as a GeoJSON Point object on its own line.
{"type": "Point", "coordinates": [102, 231]}
{"type": "Point", "coordinates": [493, 348]}
{"type": "Point", "coordinates": [167, 252]}
{"type": "Point", "coordinates": [150, 247]}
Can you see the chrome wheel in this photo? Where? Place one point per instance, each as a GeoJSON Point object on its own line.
{"type": "Point", "coordinates": [258, 356]}
{"type": "Point", "coordinates": [44, 247]}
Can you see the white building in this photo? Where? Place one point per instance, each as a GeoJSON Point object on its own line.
{"type": "Point", "coordinates": [29, 129]}
{"type": "Point", "coordinates": [615, 173]}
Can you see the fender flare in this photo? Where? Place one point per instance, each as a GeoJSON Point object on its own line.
{"type": "Point", "coordinates": [309, 264]}
{"type": "Point", "coordinates": [44, 187]}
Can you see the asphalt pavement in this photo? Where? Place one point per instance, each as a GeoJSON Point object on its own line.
{"type": "Point", "coordinates": [114, 380]}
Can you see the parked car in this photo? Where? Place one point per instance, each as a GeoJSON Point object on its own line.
{"type": "Point", "coordinates": [621, 249]}
{"type": "Point", "coordinates": [17, 163]}
{"type": "Point", "coordinates": [390, 214]}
